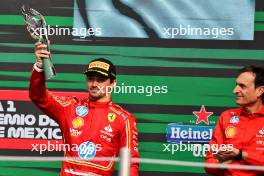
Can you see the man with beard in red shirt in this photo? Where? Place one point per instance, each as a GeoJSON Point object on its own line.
{"type": "Point", "coordinates": [242, 127]}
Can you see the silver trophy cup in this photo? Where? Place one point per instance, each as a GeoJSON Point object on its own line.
{"type": "Point", "coordinates": [36, 26]}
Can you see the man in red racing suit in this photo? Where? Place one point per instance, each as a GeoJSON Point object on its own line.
{"type": "Point", "coordinates": [242, 127]}
{"type": "Point", "coordinates": [92, 128]}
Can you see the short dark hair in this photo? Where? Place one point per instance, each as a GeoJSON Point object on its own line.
{"type": "Point", "coordinates": [259, 75]}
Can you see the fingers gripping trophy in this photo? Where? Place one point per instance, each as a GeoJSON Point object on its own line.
{"type": "Point", "coordinates": [36, 26]}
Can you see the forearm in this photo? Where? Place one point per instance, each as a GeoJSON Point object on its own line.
{"type": "Point", "coordinates": [37, 88]}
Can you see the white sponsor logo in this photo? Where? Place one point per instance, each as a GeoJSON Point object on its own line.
{"type": "Point", "coordinates": [260, 142]}
{"type": "Point", "coordinates": [75, 132]}
{"type": "Point", "coordinates": [259, 148]}
{"type": "Point", "coordinates": [108, 129]}
{"type": "Point", "coordinates": [108, 139]}
{"type": "Point", "coordinates": [261, 131]}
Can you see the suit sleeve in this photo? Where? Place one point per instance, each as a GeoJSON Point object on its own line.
{"type": "Point", "coordinates": [217, 138]}
{"type": "Point", "coordinates": [48, 103]}
{"type": "Point", "coordinates": [129, 138]}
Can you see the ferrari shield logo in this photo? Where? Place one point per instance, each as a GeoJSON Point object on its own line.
{"type": "Point", "coordinates": [111, 117]}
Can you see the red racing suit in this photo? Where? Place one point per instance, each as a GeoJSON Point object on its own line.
{"type": "Point", "coordinates": [245, 132]}
{"type": "Point", "coordinates": [92, 129]}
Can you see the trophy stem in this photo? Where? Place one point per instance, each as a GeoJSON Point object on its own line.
{"type": "Point", "coordinates": [49, 69]}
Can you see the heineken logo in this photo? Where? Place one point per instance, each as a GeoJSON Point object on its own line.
{"type": "Point", "coordinates": [189, 133]}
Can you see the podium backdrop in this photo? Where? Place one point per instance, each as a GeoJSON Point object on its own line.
{"type": "Point", "coordinates": [145, 40]}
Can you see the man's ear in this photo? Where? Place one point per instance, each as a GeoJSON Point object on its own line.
{"type": "Point", "coordinates": [113, 83]}
{"type": "Point", "coordinates": [260, 91]}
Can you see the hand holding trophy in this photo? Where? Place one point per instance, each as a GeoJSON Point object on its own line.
{"type": "Point", "coordinates": [36, 26]}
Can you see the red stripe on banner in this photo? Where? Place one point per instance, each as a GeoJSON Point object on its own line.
{"type": "Point", "coordinates": [9, 143]}
{"type": "Point", "coordinates": [22, 95]}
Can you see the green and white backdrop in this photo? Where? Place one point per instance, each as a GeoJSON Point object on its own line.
{"type": "Point", "coordinates": [197, 70]}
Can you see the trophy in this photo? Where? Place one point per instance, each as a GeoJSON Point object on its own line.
{"type": "Point", "coordinates": [36, 26]}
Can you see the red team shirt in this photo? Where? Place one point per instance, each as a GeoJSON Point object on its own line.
{"type": "Point", "coordinates": [245, 132]}
{"type": "Point", "coordinates": [91, 129]}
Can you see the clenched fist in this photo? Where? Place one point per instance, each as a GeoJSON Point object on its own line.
{"type": "Point", "coordinates": [41, 53]}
